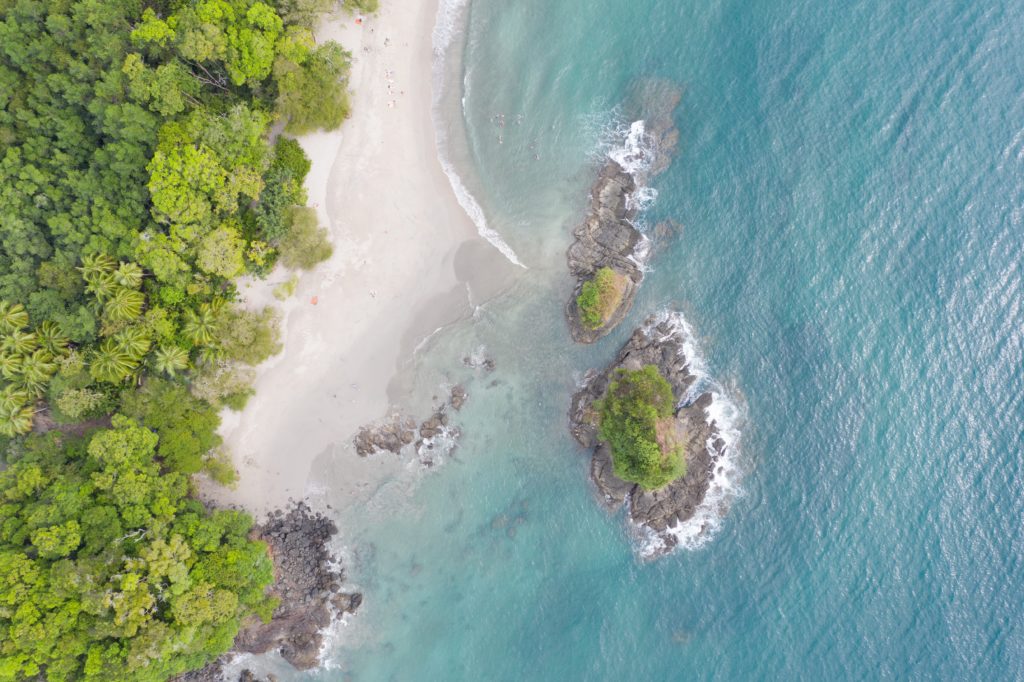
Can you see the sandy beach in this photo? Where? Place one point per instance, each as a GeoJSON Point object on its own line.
{"type": "Point", "coordinates": [398, 234]}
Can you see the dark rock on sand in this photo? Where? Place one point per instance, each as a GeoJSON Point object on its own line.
{"type": "Point", "coordinates": [653, 344]}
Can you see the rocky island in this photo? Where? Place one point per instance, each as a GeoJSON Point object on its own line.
{"type": "Point", "coordinates": [663, 481]}
{"type": "Point", "coordinates": [607, 255]}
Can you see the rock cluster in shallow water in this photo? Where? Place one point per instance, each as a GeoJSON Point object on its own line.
{"type": "Point", "coordinates": [398, 431]}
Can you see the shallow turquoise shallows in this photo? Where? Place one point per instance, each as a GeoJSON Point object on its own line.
{"type": "Point", "coordinates": [850, 185]}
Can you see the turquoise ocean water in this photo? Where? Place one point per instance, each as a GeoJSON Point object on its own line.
{"type": "Point", "coordinates": [850, 182]}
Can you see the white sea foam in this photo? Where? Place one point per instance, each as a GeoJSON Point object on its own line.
{"type": "Point", "coordinates": [642, 253]}
{"type": "Point", "coordinates": [726, 475]}
{"type": "Point", "coordinates": [426, 340]}
{"type": "Point", "coordinates": [434, 451]}
{"type": "Point", "coordinates": [642, 198]}
{"type": "Point", "coordinates": [636, 152]}
{"type": "Point", "coordinates": [449, 24]}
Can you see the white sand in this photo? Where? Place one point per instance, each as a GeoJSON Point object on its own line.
{"type": "Point", "coordinates": [396, 227]}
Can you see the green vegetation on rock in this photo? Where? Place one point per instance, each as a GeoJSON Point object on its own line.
{"type": "Point", "coordinates": [637, 420]}
{"type": "Point", "coordinates": [600, 296]}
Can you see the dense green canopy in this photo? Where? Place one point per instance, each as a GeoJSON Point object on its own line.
{"type": "Point", "coordinates": [109, 572]}
{"type": "Point", "coordinates": [637, 420]}
{"type": "Point", "coordinates": [140, 173]}
{"type": "Point", "coordinates": [138, 178]}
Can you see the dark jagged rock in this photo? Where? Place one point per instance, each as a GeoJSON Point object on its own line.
{"type": "Point", "coordinates": [458, 397]}
{"type": "Point", "coordinates": [606, 237]}
{"type": "Point", "coordinates": [249, 676]}
{"type": "Point", "coordinates": [653, 344]}
{"type": "Point", "coordinates": [308, 581]}
{"type": "Point", "coordinates": [215, 673]}
{"type": "Point", "coordinates": [397, 431]}
{"type": "Point", "coordinates": [391, 435]}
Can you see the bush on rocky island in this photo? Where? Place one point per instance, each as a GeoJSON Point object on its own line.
{"type": "Point", "coordinates": [637, 420]}
{"type": "Point", "coordinates": [600, 296]}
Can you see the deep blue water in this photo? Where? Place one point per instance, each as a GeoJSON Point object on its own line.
{"type": "Point", "coordinates": [850, 181]}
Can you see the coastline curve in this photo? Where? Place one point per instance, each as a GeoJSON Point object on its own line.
{"type": "Point", "coordinates": [451, 19]}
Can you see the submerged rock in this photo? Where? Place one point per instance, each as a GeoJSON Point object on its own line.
{"type": "Point", "coordinates": [479, 361]}
{"type": "Point", "coordinates": [660, 510]}
{"type": "Point", "coordinates": [458, 397]}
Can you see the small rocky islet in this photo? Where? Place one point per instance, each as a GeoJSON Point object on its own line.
{"type": "Point", "coordinates": [607, 238]}
{"type": "Point", "coordinates": [659, 343]}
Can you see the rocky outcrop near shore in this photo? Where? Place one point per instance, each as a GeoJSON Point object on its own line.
{"type": "Point", "coordinates": [658, 511]}
{"type": "Point", "coordinates": [215, 673]}
{"type": "Point", "coordinates": [308, 580]}
{"type": "Point", "coordinates": [607, 236]}
{"type": "Point", "coordinates": [397, 432]}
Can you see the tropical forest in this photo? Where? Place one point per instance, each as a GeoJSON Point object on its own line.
{"type": "Point", "coordinates": [146, 164]}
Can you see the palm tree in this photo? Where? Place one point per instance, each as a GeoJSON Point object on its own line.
{"type": "Point", "coordinates": [94, 267]}
{"type": "Point", "coordinates": [10, 364]}
{"type": "Point", "coordinates": [110, 363]}
{"type": "Point", "coordinates": [134, 341]}
{"type": "Point", "coordinates": [128, 275]}
{"type": "Point", "coordinates": [52, 338]}
{"type": "Point", "coordinates": [209, 355]}
{"type": "Point", "coordinates": [15, 412]}
{"type": "Point", "coordinates": [19, 342]}
{"type": "Point", "coordinates": [36, 370]}
{"type": "Point", "coordinates": [11, 396]}
{"type": "Point", "coordinates": [170, 359]}
{"type": "Point", "coordinates": [125, 304]}
{"type": "Point", "coordinates": [102, 286]}
{"type": "Point", "coordinates": [12, 316]}
{"type": "Point", "coordinates": [200, 326]}
{"type": "Point", "coordinates": [16, 419]}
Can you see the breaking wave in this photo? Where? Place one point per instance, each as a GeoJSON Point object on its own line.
{"type": "Point", "coordinates": [449, 24]}
{"type": "Point", "coordinates": [724, 445]}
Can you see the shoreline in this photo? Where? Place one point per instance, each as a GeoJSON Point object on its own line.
{"type": "Point", "coordinates": [398, 232]}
